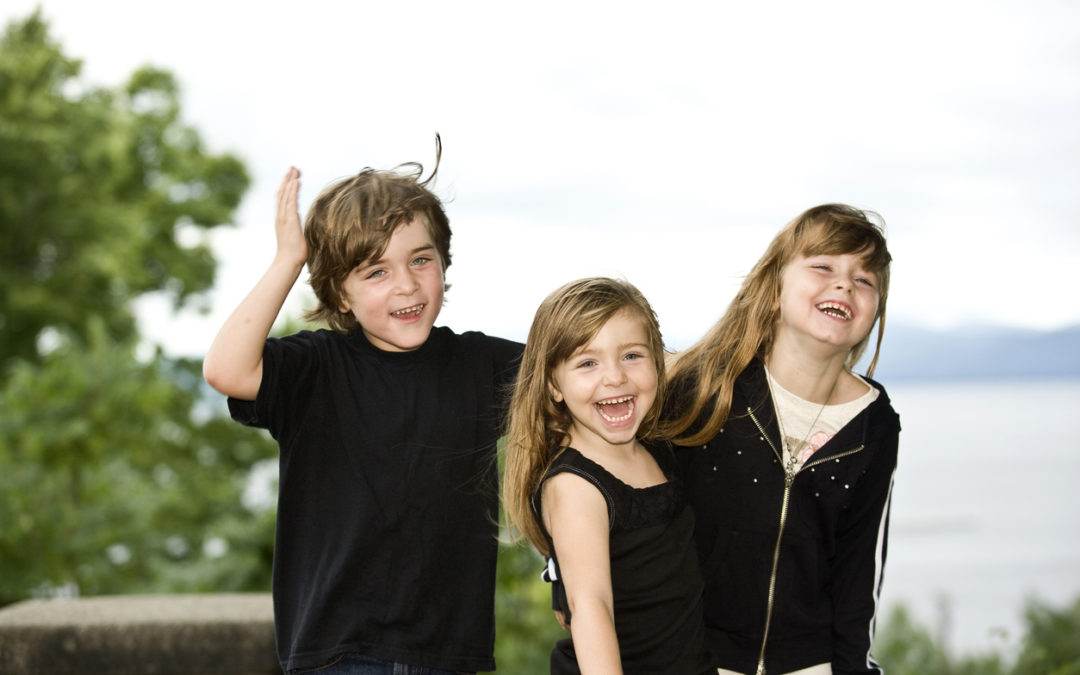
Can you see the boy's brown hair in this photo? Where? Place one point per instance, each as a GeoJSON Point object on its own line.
{"type": "Point", "coordinates": [351, 222]}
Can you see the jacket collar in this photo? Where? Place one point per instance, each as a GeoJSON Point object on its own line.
{"type": "Point", "coordinates": [876, 421]}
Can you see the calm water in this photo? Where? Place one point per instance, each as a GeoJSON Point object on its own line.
{"type": "Point", "coordinates": [986, 510]}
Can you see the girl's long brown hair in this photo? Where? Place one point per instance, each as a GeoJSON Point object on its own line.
{"type": "Point", "coordinates": [704, 374]}
{"type": "Point", "coordinates": [539, 428]}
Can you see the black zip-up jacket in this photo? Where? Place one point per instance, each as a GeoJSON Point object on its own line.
{"type": "Point", "coordinates": [792, 570]}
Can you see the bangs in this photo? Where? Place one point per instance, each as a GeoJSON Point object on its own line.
{"type": "Point", "coordinates": [578, 332]}
{"type": "Point", "coordinates": [860, 239]}
{"type": "Point", "coordinates": [570, 318]}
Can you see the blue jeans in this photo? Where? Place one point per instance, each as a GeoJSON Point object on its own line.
{"type": "Point", "coordinates": [357, 664]}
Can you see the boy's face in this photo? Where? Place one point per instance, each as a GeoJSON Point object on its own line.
{"type": "Point", "coordinates": [396, 298]}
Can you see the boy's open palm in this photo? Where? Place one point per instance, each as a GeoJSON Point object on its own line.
{"type": "Point", "coordinates": [233, 364]}
{"type": "Point", "coordinates": [290, 235]}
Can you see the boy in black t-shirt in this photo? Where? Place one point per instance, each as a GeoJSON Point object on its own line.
{"type": "Point", "coordinates": [387, 511]}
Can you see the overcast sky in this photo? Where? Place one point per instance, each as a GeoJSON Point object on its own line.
{"type": "Point", "coordinates": [665, 146]}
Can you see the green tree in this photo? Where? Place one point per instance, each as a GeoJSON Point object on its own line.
{"type": "Point", "coordinates": [1051, 643]}
{"type": "Point", "coordinates": [108, 484]}
{"type": "Point", "coordinates": [526, 628]}
{"type": "Point", "coordinates": [905, 648]}
{"type": "Point", "coordinates": [103, 195]}
{"type": "Point", "coordinates": [116, 474]}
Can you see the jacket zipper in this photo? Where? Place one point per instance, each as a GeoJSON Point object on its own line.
{"type": "Point", "coordinates": [789, 480]}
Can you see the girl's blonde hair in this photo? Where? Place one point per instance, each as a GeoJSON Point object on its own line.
{"type": "Point", "coordinates": [539, 428]}
{"type": "Point", "coordinates": [704, 374]}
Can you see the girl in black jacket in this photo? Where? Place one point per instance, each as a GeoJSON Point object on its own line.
{"type": "Point", "coordinates": [789, 456]}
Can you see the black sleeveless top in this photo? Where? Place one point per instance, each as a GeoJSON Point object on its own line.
{"type": "Point", "coordinates": [656, 583]}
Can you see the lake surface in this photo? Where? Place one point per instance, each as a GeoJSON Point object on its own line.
{"type": "Point", "coordinates": [986, 506]}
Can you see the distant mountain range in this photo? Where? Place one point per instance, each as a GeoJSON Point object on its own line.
{"type": "Point", "coordinates": [976, 352]}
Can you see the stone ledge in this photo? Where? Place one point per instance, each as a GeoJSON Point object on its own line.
{"type": "Point", "coordinates": [140, 635]}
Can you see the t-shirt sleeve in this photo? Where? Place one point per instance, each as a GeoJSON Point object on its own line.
{"type": "Point", "coordinates": [288, 363]}
{"type": "Point", "coordinates": [507, 359]}
{"type": "Point", "coordinates": [243, 412]}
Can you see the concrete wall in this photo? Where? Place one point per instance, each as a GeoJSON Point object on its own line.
{"type": "Point", "coordinates": [140, 635]}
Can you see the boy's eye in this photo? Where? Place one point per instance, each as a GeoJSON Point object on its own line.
{"type": "Point", "coordinates": [376, 273]}
{"type": "Point", "coordinates": [866, 282]}
{"type": "Point", "coordinates": [421, 260]}
{"type": "Point", "coordinates": [633, 356]}
{"type": "Point", "coordinates": [588, 363]}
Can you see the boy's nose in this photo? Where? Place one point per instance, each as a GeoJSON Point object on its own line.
{"type": "Point", "coordinates": [408, 283]}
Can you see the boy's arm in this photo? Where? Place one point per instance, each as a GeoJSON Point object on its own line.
{"type": "Point", "coordinates": [233, 364]}
{"type": "Point", "coordinates": [576, 515]}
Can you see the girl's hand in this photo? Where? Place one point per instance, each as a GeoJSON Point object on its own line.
{"type": "Point", "coordinates": [291, 246]}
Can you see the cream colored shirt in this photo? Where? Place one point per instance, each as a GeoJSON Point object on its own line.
{"type": "Point", "coordinates": [819, 669]}
{"type": "Point", "coordinates": [797, 414]}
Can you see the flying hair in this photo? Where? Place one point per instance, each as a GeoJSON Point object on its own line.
{"type": "Point", "coordinates": [351, 222]}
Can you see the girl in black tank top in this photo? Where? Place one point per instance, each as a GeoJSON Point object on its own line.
{"type": "Point", "coordinates": [592, 487]}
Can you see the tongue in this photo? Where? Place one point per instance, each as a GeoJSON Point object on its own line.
{"type": "Point", "coordinates": [616, 409]}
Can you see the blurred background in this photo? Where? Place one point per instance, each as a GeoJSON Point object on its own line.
{"type": "Point", "coordinates": [141, 145]}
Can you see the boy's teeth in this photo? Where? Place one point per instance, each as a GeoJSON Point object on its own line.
{"type": "Point", "coordinates": [409, 310]}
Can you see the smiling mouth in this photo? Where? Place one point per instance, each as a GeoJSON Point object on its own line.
{"type": "Point", "coordinates": [616, 409]}
{"type": "Point", "coordinates": [408, 312]}
{"type": "Point", "coordinates": [835, 310]}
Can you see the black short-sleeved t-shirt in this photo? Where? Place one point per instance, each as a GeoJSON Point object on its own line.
{"type": "Point", "coordinates": [388, 495]}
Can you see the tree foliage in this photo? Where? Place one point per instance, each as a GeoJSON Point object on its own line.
{"type": "Point", "coordinates": [1052, 642]}
{"type": "Point", "coordinates": [115, 476]}
{"type": "Point", "coordinates": [108, 484]}
{"type": "Point", "coordinates": [103, 195]}
{"type": "Point", "coordinates": [526, 628]}
{"type": "Point", "coordinates": [1050, 646]}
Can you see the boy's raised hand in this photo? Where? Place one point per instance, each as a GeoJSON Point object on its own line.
{"type": "Point", "coordinates": [233, 364]}
{"type": "Point", "coordinates": [291, 246]}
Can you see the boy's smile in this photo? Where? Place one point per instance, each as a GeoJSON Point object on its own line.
{"type": "Point", "coordinates": [397, 298]}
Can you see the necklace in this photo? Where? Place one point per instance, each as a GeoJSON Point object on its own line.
{"type": "Point", "coordinates": [791, 455]}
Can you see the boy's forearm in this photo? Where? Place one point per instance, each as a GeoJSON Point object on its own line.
{"type": "Point", "coordinates": [233, 364]}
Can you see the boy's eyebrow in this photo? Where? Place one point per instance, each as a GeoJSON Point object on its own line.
{"type": "Point", "coordinates": [382, 259]}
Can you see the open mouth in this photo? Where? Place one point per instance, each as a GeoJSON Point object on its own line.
{"type": "Point", "coordinates": [408, 312]}
{"type": "Point", "coordinates": [835, 310]}
{"type": "Point", "coordinates": [616, 409]}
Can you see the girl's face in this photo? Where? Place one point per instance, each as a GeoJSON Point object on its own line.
{"type": "Point", "coordinates": [608, 385]}
{"type": "Point", "coordinates": [826, 300]}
